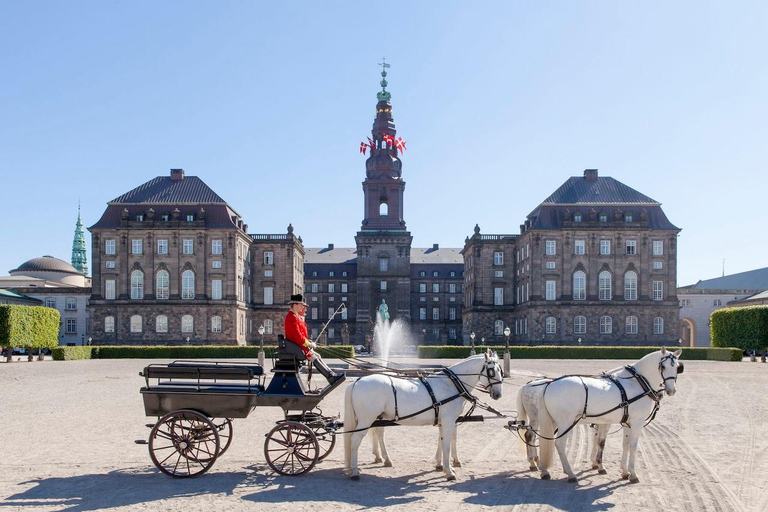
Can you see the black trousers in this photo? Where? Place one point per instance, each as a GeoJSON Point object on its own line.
{"type": "Point", "coordinates": [323, 368]}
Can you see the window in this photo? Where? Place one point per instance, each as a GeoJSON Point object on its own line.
{"type": "Point", "coordinates": [136, 246]}
{"type": "Point", "coordinates": [215, 246]}
{"type": "Point", "coordinates": [343, 287]}
{"type": "Point", "coordinates": [603, 217]}
{"type": "Point", "coordinates": [551, 290]}
{"type": "Point", "coordinates": [452, 288]}
{"type": "Point", "coordinates": [188, 246]}
{"type": "Point", "coordinates": [344, 311]}
{"type": "Point", "coordinates": [658, 290]}
{"type": "Point", "coordinates": [422, 274]}
{"type": "Point", "coordinates": [109, 247]}
{"type": "Point", "coordinates": [604, 285]}
{"type": "Point", "coordinates": [161, 323]}
{"type": "Point", "coordinates": [658, 248]}
{"type": "Point", "coordinates": [435, 313]}
{"type": "Point", "coordinates": [383, 286]}
{"type": "Point", "coordinates": [190, 217]}
{"type": "Point", "coordinates": [550, 265]}
{"type": "Point", "coordinates": [216, 264]}
{"type": "Point", "coordinates": [269, 295]}
{"type": "Point", "coordinates": [657, 265]}
{"type": "Point", "coordinates": [315, 287]}
{"type": "Point", "coordinates": [109, 324]}
{"type": "Point", "coordinates": [579, 285]}
{"type": "Point", "coordinates": [498, 328]}
{"type": "Point", "coordinates": [269, 258]}
{"type": "Point", "coordinates": [165, 217]}
{"type": "Point", "coordinates": [422, 287]}
{"type": "Point", "coordinates": [331, 287]}
{"type": "Point", "coordinates": [498, 258]}
{"type": "Point", "coordinates": [268, 273]}
{"type": "Point", "coordinates": [435, 273]}
{"type": "Point", "coordinates": [110, 263]}
{"type": "Point", "coordinates": [314, 314]}
{"type": "Point", "coordinates": [630, 285]}
{"type": "Point", "coordinates": [551, 325]}
{"type": "Point", "coordinates": [631, 247]}
{"type": "Point", "coordinates": [331, 273]}
{"type": "Point", "coordinates": [136, 323]}
{"type": "Point", "coordinates": [216, 289]}
{"type": "Point", "coordinates": [313, 334]}
{"type": "Point", "coordinates": [383, 264]}
{"type": "Point", "coordinates": [50, 302]}
{"type": "Point", "coordinates": [551, 247]}
{"type": "Point", "coordinates": [578, 247]}
{"type": "Point", "coordinates": [137, 284]}
{"type": "Point", "coordinates": [343, 273]}
{"type": "Point", "coordinates": [498, 273]}
{"type": "Point", "coordinates": [580, 325]}
{"type": "Point", "coordinates": [452, 333]}
{"type": "Point", "coordinates": [451, 313]}
{"type": "Point", "coordinates": [658, 325]}
{"type": "Point", "coordinates": [453, 273]}
{"type": "Point", "coordinates": [498, 296]}
{"type": "Point", "coordinates": [187, 324]}
{"type": "Point", "coordinates": [71, 326]}
{"type": "Point", "coordinates": [187, 284]}
{"type": "Point", "coordinates": [216, 324]}
{"type": "Point", "coordinates": [331, 333]}
{"type": "Point", "coordinates": [435, 287]}
{"type": "Point", "coordinates": [717, 303]}
{"type": "Point", "coordinates": [268, 327]}
{"type": "Point", "coordinates": [331, 311]}
{"type": "Point", "coordinates": [576, 217]}
{"type": "Point", "coordinates": [71, 304]}
{"type": "Point", "coordinates": [314, 273]}
{"type": "Point", "coordinates": [605, 247]}
{"type": "Point", "coordinates": [161, 291]}
{"type": "Point", "coordinates": [422, 313]}
{"type": "Point", "coordinates": [628, 217]}
{"type": "Point", "coordinates": [109, 289]}
{"type": "Point", "coordinates": [631, 325]}
{"type": "Point", "coordinates": [162, 247]}
{"type": "Point", "coordinates": [606, 325]}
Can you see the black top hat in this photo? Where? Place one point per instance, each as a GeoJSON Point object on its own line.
{"type": "Point", "coordinates": [297, 299]}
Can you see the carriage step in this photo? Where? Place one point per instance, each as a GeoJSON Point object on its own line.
{"type": "Point", "coordinates": [141, 441]}
{"type": "Point", "coordinates": [515, 425]}
{"type": "Point", "coordinates": [150, 425]}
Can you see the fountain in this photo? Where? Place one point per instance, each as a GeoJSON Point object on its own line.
{"type": "Point", "coordinates": [391, 337]}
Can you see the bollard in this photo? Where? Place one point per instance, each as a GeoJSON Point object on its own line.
{"type": "Point", "coordinates": [506, 363]}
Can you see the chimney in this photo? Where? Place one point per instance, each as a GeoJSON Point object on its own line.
{"type": "Point", "coordinates": [435, 247]}
{"type": "Point", "coordinates": [590, 174]}
{"type": "Point", "coordinates": [177, 174]}
{"type": "Point", "coordinates": [330, 247]}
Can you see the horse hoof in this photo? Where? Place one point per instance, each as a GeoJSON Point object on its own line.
{"type": "Point", "coordinates": [625, 476]}
{"type": "Point", "coordinates": [457, 464]}
{"type": "Point", "coordinates": [595, 466]}
{"type": "Point", "coordinates": [451, 478]}
{"type": "Point", "coordinates": [388, 464]}
{"type": "Point", "coordinates": [634, 480]}
{"type": "Point", "coordinates": [532, 467]}
{"type": "Point", "coordinates": [439, 467]}
{"type": "Point", "coordinates": [572, 479]}
{"type": "Point", "coordinates": [602, 472]}
{"type": "Point", "coordinates": [377, 460]}
{"type": "Point", "coordinates": [354, 477]}
{"type": "Point", "coordinates": [545, 476]}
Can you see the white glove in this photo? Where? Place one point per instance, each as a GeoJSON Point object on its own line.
{"type": "Point", "coordinates": [312, 345]}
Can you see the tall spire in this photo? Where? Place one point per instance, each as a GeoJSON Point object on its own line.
{"type": "Point", "coordinates": [383, 95]}
{"type": "Point", "coordinates": [79, 256]}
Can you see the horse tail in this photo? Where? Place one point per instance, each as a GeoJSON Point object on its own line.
{"type": "Point", "coordinates": [546, 430]}
{"type": "Point", "coordinates": [350, 424]}
{"type": "Point", "coordinates": [522, 415]}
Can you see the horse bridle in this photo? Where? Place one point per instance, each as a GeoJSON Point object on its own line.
{"type": "Point", "coordinates": [680, 368]}
{"type": "Point", "coordinates": [490, 373]}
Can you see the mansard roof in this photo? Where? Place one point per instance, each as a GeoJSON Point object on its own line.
{"type": "Point", "coordinates": [750, 280]}
{"type": "Point", "coordinates": [167, 190]}
{"type": "Point", "coordinates": [336, 255]}
{"type": "Point", "coordinates": [326, 255]}
{"type": "Point", "coordinates": [598, 190]}
{"type": "Point", "coordinates": [436, 255]}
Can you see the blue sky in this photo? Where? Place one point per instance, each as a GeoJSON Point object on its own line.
{"type": "Point", "coordinates": [499, 102]}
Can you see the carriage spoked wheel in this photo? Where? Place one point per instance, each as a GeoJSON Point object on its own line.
{"type": "Point", "coordinates": [224, 428]}
{"type": "Point", "coordinates": [326, 439]}
{"type": "Point", "coordinates": [184, 444]}
{"type": "Point", "coordinates": [291, 448]}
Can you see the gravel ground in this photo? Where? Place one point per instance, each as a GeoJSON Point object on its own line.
{"type": "Point", "coordinates": [70, 429]}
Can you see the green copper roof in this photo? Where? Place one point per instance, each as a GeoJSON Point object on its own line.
{"type": "Point", "coordinates": [79, 256]}
{"type": "Point", "coordinates": [384, 94]}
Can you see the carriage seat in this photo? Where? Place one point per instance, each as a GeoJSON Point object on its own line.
{"type": "Point", "coordinates": [288, 351]}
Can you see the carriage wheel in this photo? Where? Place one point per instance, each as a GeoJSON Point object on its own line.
{"type": "Point", "coordinates": [291, 448]}
{"type": "Point", "coordinates": [326, 440]}
{"type": "Point", "coordinates": [224, 428]}
{"type": "Point", "coordinates": [184, 444]}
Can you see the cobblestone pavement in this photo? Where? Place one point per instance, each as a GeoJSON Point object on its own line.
{"type": "Point", "coordinates": [69, 430]}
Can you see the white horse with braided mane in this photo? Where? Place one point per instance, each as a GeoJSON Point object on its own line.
{"type": "Point", "coordinates": [553, 407]}
{"type": "Point", "coordinates": [407, 401]}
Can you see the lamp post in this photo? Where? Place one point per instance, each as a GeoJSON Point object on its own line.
{"type": "Point", "coordinates": [261, 346]}
{"type": "Point", "coordinates": [506, 351]}
{"type": "Point", "coordinates": [90, 341]}
{"type": "Point", "coordinates": [472, 339]}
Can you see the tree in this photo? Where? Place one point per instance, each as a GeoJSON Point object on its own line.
{"type": "Point", "coordinates": [30, 327]}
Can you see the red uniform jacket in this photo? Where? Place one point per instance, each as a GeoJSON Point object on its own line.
{"type": "Point", "coordinates": [296, 331]}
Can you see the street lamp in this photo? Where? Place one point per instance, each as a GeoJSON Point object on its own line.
{"type": "Point", "coordinates": [507, 332]}
{"type": "Point", "coordinates": [472, 339]}
{"type": "Point", "coordinates": [261, 346]}
{"type": "Point", "coordinates": [90, 341]}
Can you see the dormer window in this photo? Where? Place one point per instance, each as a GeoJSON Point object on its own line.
{"type": "Point", "coordinates": [140, 217]}
{"type": "Point", "coordinates": [577, 217]}
{"type": "Point", "coordinates": [190, 217]}
{"type": "Point", "coordinates": [627, 217]}
{"type": "Point", "coordinates": [165, 217]}
{"type": "Point", "coordinates": [603, 217]}
{"type": "Point", "coordinates": [331, 273]}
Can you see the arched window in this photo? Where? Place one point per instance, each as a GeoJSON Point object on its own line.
{"type": "Point", "coordinates": [268, 326]}
{"type": "Point", "coordinates": [422, 274]}
{"type": "Point", "coordinates": [658, 325]}
{"type": "Point", "coordinates": [551, 325]}
{"type": "Point", "coordinates": [604, 285]}
{"type": "Point", "coordinates": [136, 323]}
{"type": "Point", "coordinates": [216, 324]}
{"type": "Point", "coordinates": [580, 325]}
{"type": "Point", "coordinates": [137, 284]}
{"type": "Point", "coordinates": [383, 263]}
{"type": "Point", "coordinates": [161, 323]}
{"type": "Point", "coordinates": [631, 325]}
{"type": "Point", "coordinates": [630, 285]}
{"type": "Point", "coordinates": [606, 325]}
{"type": "Point", "coordinates": [187, 324]}
{"type": "Point", "coordinates": [383, 208]}
{"type": "Point", "coordinates": [187, 284]}
{"type": "Point", "coordinates": [579, 285]}
{"type": "Point", "coordinates": [498, 328]}
{"type": "Point", "coordinates": [162, 285]}
{"type": "Point", "coordinates": [109, 324]}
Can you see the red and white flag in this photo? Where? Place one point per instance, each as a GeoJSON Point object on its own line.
{"type": "Point", "coordinates": [363, 147]}
{"type": "Point", "coordinates": [400, 144]}
{"type": "Point", "coordinates": [371, 144]}
{"type": "Point", "coordinates": [388, 139]}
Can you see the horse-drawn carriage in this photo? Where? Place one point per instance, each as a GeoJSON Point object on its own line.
{"type": "Point", "coordinates": [196, 401]}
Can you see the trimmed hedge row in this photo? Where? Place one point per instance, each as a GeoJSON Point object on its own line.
{"type": "Point", "coordinates": [180, 352]}
{"type": "Point", "coordinates": [29, 326]}
{"type": "Point", "coordinates": [744, 328]}
{"type": "Point", "coordinates": [559, 352]}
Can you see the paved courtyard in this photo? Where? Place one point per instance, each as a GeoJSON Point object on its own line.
{"type": "Point", "coordinates": [69, 431]}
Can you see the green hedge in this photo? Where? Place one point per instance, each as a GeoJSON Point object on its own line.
{"type": "Point", "coordinates": [744, 328]}
{"type": "Point", "coordinates": [29, 326]}
{"type": "Point", "coordinates": [180, 352]}
{"type": "Point", "coordinates": [569, 352]}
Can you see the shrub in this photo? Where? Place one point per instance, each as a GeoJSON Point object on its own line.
{"type": "Point", "coordinates": [744, 328]}
{"type": "Point", "coordinates": [29, 326]}
{"type": "Point", "coordinates": [71, 353]}
{"type": "Point", "coordinates": [181, 352]}
{"type": "Point", "coordinates": [569, 352]}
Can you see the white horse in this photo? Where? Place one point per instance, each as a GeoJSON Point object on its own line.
{"type": "Point", "coordinates": [558, 405]}
{"type": "Point", "coordinates": [380, 449]}
{"type": "Point", "coordinates": [408, 402]}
